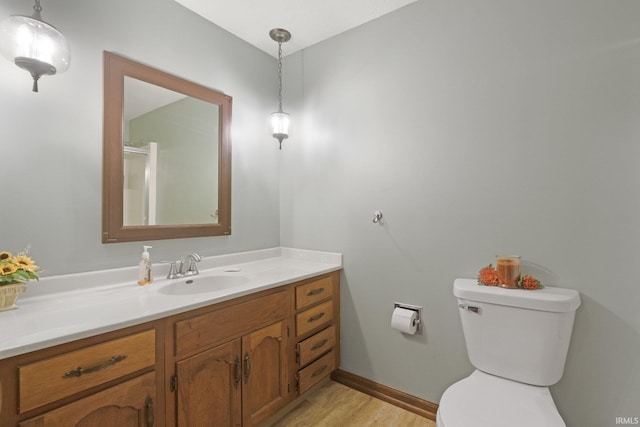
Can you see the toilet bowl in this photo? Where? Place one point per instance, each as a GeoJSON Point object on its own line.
{"type": "Point", "coordinates": [483, 399]}
{"type": "Point", "coordinates": [518, 342]}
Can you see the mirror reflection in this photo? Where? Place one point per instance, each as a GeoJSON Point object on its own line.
{"type": "Point", "coordinates": [170, 157]}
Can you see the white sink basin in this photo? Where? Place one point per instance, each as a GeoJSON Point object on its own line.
{"type": "Point", "coordinates": [202, 284]}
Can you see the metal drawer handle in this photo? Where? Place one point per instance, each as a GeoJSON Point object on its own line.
{"type": "Point", "coordinates": [319, 345]}
{"type": "Point", "coordinates": [315, 292]}
{"type": "Point", "coordinates": [82, 371]}
{"type": "Point", "coordinates": [319, 371]}
{"type": "Point", "coordinates": [316, 317]}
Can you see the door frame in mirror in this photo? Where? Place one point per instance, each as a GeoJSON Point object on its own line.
{"type": "Point", "coordinates": [116, 68]}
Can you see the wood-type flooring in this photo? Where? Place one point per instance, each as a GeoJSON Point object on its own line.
{"type": "Point", "coordinates": [336, 405]}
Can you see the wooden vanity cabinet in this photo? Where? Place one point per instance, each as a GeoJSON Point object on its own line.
{"type": "Point", "coordinates": [231, 363]}
{"type": "Point", "coordinates": [235, 363]}
{"type": "Point", "coordinates": [108, 380]}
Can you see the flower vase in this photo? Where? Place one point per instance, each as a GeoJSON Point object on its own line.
{"type": "Point", "coordinates": [9, 295]}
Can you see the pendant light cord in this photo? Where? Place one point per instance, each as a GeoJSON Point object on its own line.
{"type": "Point", "coordinates": [36, 11]}
{"type": "Point", "coordinates": [279, 77]}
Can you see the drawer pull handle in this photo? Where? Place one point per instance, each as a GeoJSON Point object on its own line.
{"type": "Point", "coordinates": [316, 317]}
{"type": "Point", "coordinates": [82, 371]}
{"type": "Point", "coordinates": [319, 371]}
{"type": "Point", "coordinates": [150, 413]}
{"type": "Point", "coordinates": [315, 292]}
{"type": "Point", "coordinates": [320, 344]}
{"type": "Point", "coordinates": [247, 369]}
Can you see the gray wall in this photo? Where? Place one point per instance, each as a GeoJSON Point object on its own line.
{"type": "Point", "coordinates": [51, 142]}
{"type": "Point", "coordinates": [476, 128]}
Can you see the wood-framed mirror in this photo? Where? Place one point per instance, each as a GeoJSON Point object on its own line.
{"type": "Point", "coordinates": [166, 155]}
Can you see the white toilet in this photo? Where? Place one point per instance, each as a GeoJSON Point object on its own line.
{"type": "Point", "coordinates": [518, 342]}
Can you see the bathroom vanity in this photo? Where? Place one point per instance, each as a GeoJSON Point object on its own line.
{"type": "Point", "coordinates": [255, 336]}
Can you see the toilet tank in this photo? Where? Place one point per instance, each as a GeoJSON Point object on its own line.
{"type": "Point", "coordinates": [521, 335]}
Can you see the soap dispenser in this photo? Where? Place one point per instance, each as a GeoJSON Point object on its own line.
{"type": "Point", "coordinates": [145, 275]}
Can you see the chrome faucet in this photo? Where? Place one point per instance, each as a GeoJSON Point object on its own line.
{"type": "Point", "coordinates": [185, 266]}
{"type": "Point", "coordinates": [190, 261]}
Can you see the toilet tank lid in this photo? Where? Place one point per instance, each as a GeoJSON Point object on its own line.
{"type": "Point", "coordinates": [546, 299]}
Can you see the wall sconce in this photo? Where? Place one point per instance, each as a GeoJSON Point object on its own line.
{"type": "Point", "coordinates": [34, 45]}
{"type": "Point", "coordinates": [280, 120]}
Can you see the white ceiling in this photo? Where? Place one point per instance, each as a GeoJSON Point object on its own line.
{"type": "Point", "coordinates": [309, 21]}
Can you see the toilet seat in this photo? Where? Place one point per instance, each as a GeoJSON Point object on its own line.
{"type": "Point", "coordinates": [484, 400]}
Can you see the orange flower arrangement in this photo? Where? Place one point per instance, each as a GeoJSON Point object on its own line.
{"type": "Point", "coordinates": [529, 282]}
{"type": "Point", "coordinates": [488, 276]}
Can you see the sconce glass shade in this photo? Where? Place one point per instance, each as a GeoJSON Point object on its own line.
{"type": "Point", "coordinates": [280, 125]}
{"type": "Point", "coordinates": [35, 46]}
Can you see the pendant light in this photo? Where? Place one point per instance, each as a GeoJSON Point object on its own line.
{"type": "Point", "coordinates": [34, 45]}
{"type": "Point", "coordinates": [280, 119]}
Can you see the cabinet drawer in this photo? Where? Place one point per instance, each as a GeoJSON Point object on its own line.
{"type": "Point", "coordinates": [313, 292]}
{"type": "Point", "coordinates": [61, 376]}
{"type": "Point", "coordinates": [316, 371]}
{"type": "Point", "coordinates": [123, 405]}
{"type": "Point", "coordinates": [314, 317]}
{"type": "Point", "coordinates": [202, 332]}
{"type": "Point", "coordinates": [316, 345]}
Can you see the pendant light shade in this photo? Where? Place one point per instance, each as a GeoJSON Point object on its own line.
{"type": "Point", "coordinates": [280, 120]}
{"type": "Point", "coordinates": [34, 45]}
{"type": "Point", "coordinates": [280, 125]}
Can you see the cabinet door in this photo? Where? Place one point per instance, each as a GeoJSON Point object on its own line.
{"type": "Point", "coordinates": [264, 358]}
{"type": "Point", "coordinates": [209, 389]}
{"type": "Point", "coordinates": [130, 404]}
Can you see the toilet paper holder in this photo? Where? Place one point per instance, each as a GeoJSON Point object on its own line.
{"type": "Point", "coordinates": [417, 309]}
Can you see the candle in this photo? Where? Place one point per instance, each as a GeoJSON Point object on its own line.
{"type": "Point", "coordinates": [508, 268]}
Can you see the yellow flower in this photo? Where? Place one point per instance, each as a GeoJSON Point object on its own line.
{"type": "Point", "coordinates": [25, 263]}
{"type": "Point", "coordinates": [8, 269]}
{"type": "Point", "coordinates": [16, 269]}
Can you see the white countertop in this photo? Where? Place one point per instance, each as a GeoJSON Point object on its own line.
{"type": "Point", "coordinates": [61, 309]}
